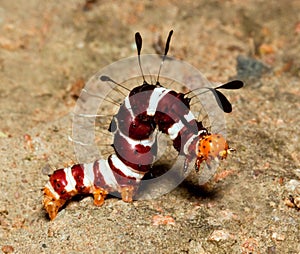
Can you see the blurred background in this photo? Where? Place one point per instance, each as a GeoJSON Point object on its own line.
{"type": "Point", "coordinates": [49, 49]}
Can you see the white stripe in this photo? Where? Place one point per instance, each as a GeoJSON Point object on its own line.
{"type": "Point", "coordinates": [189, 117]}
{"type": "Point", "coordinates": [188, 143]}
{"type": "Point", "coordinates": [89, 176]}
{"type": "Point", "coordinates": [50, 187]}
{"type": "Point", "coordinates": [108, 175]}
{"type": "Point", "coordinates": [128, 106]}
{"type": "Point", "coordinates": [149, 141]}
{"type": "Point", "coordinates": [70, 180]}
{"type": "Point", "coordinates": [157, 94]}
{"type": "Point", "coordinates": [175, 129]}
{"type": "Point", "coordinates": [126, 170]}
{"type": "Point", "coordinates": [145, 142]}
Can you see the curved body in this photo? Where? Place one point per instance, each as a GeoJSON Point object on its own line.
{"type": "Point", "coordinates": [146, 110]}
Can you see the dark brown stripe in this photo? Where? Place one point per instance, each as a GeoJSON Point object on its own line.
{"type": "Point", "coordinates": [78, 174]}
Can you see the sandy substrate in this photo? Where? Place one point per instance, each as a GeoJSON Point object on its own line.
{"type": "Point", "coordinates": [48, 49]}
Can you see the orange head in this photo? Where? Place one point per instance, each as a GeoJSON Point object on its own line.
{"type": "Point", "coordinates": [212, 147]}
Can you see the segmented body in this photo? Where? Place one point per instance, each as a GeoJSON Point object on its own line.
{"type": "Point", "coordinates": [146, 110]}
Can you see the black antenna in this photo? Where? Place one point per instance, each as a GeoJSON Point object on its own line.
{"type": "Point", "coordinates": [139, 42]}
{"type": "Point", "coordinates": [164, 57]}
{"type": "Point", "coordinates": [234, 84]}
{"type": "Point", "coordinates": [222, 101]}
{"type": "Point", "coordinates": [108, 79]}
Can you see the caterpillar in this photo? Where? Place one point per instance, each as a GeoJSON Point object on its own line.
{"type": "Point", "coordinates": [148, 109]}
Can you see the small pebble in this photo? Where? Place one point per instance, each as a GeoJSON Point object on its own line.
{"type": "Point", "coordinates": [248, 67]}
{"type": "Point", "coordinates": [289, 203]}
{"type": "Point", "coordinates": [80, 45]}
{"type": "Point", "coordinates": [227, 215]}
{"type": "Point", "coordinates": [162, 220]}
{"type": "Point", "coordinates": [219, 235]}
{"type": "Point", "coordinates": [292, 185]}
{"type": "Point", "coordinates": [7, 249]}
{"type": "Point", "coordinates": [278, 237]}
{"type": "Point", "coordinates": [297, 202]}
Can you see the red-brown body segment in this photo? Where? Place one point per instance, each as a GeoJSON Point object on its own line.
{"type": "Point", "coordinates": [59, 182]}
